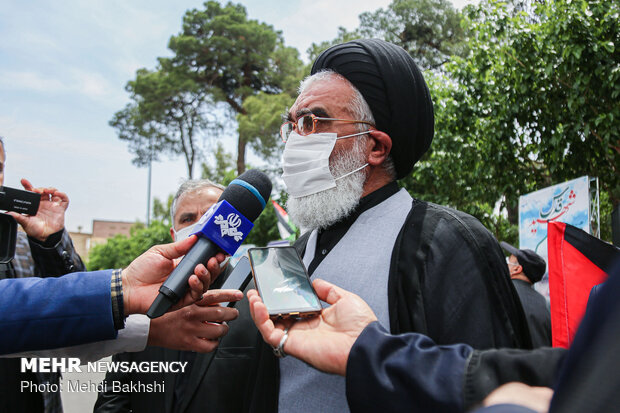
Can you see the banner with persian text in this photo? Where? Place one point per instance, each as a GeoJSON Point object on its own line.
{"type": "Point", "coordinates": [568, 202]}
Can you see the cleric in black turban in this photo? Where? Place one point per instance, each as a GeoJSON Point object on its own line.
{"type": "Point", "coordinates": [393, 86]}
{"type": "Point", "coordinates": [422, 267]}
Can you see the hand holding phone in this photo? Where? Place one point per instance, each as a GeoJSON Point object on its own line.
{"type": "Point", "coordinates": [283, 283]}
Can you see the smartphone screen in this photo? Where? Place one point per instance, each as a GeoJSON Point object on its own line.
{"type": "Point", "coordinates": [238, 279]}
{"type": "Point", "coordinates": [283, 282]}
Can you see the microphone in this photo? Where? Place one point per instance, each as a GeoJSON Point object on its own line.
{"type": "Point", "coordinates": [224, 226]}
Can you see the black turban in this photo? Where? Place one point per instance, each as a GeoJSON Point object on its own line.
{"type": "Point", "coordinates": [393, 86]}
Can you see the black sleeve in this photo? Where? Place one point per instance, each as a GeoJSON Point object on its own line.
{"type": "Point", "coordinates": [107, 400]}
{"type": "Point", "coordinates": [489, 369]}
{"type": "Point", "coordinates": [56, 256]}
{"type": "Point", "coordinates": [406, 372]}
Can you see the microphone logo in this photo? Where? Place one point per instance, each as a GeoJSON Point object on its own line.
{"type": "Point", "coordinates": [229, 226]}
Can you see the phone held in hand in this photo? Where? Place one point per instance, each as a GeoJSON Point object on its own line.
{"type": "Point", "coordinates": [283, 283]}
{"type": "Point", "coordinates": [238, 279]}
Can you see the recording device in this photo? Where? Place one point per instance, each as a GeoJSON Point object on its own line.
{"type": "Point", "coordinates": [238, 279]}
{"type": "Point", "coordinates": [283, 283]}
{"type": "Point", "coordinates": [223, 227]}
{"type": "Point", "coordinates": [18, 200]}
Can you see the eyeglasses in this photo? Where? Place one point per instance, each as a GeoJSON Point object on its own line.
{"type": "Point", "coordinates": [306, 125]}
{"type": "Point", "coordinates": [511, 263]}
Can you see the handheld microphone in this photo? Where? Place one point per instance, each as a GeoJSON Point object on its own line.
{"type": "Point", "coordinates": [224, 226]}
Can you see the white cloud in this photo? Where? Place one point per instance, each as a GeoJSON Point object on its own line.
{"type": "Point", "coordinates": [93, 85]}
{"type": "Point", "coordinates": [31, 81]}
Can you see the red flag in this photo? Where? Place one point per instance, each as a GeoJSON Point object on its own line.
{"type": "Point", "coordinates": [577, 262]}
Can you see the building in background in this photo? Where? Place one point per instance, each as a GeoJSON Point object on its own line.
{"type": "Point", "coordinates": [102, 231]}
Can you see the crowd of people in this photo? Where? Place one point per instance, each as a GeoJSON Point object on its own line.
{"type": "Point", "coordinates": [423, 311]}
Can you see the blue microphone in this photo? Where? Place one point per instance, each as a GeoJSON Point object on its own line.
{"type": "Point", "coordinates": [223, 227]}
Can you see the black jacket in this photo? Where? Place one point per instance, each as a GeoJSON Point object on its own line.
{"type": "Point", "coordinates": [537, 312]}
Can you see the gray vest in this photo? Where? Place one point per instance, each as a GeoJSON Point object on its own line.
{"type": "Point", "coordinates": [359, 263]}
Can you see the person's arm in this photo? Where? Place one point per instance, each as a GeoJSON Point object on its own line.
{"type": "Point", "coordinates": [51, 248]}
{"type": "Point", "coordinates": [42, 313]}
{"type": "Point", "coordinates": [194, 328]}
{"type": "Point", "coordinates": [489, 369]}
{"type": "Point", "coordinates": [55, 257]}
{"type": "Point", "coordinates": [109, 401]}
{"type": "Point", "coordinates": [75, 309]}
{"type": "Point", "coordinates": [387, 372]}
{"type": "Point", "coordinates": [131, 338]}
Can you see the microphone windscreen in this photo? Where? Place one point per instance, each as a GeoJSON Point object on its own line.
{"type": "Point", "coordinates": [250, 196]}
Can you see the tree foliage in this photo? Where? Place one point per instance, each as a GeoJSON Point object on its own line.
{"type": "Point", "coordinates": [234, 58]}
{"type": "Point", "coordinates": [168, 112]}
{"type": "Point", "coordinates": [430, 30]}
{"type": "Point", "coordinates": [260, 125]}
{"type": "Point", "coordinates": [161, 211]}
{"type": "Point", "coordinates": [533, 104]}
{"type": "Point", "coordinates": [119, 251]}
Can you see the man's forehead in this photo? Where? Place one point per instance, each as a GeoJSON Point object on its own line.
{"type": "Point", "coordinates": [324, 97]}
{"type": "Point", "coordinates": [201, 198]}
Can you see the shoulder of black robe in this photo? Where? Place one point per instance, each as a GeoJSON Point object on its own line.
{"type": "Point", "coordinates": [449, 280]}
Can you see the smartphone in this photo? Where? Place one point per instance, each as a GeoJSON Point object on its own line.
{"type": "Point", "coordinates": [283, 283]}
{"type": "Point", "coordinates": [238, 279]}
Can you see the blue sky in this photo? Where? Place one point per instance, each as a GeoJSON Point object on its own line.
{"type": "Point", "coordinates": [63, 68]}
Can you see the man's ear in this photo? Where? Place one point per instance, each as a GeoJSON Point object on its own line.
{"type": "Point", "coordinates": [381, 147]}
{"type": "Point", "coordinates": [172, 234]}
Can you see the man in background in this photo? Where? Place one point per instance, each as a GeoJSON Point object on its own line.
{"type": "Point", "coordinates": [188, 391]}
{"type": "Point", "coordinates": [527, 268]}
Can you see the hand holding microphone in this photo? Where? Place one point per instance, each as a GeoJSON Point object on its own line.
{"type": "Point", "coordinates": [223, 227]}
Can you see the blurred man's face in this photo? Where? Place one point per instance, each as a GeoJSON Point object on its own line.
{"type": "Point", "coordinates": [191, 206]}
{"type": "Point", "coordinates": [1, 165]}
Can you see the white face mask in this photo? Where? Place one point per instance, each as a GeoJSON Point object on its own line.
{"type": "Point", "coordinates": [305, 163]}
{"type": "Point", "coordinates": [183, 232]}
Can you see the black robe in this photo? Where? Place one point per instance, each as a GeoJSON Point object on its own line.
{"type": "Point", "coordinates": [448, 279]}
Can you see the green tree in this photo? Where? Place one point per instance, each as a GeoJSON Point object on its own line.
{"type": "Point", "coordinates": [260, 125]}
{"type": "Point", "coordinates": [223, 171]}
{"type": "Point", "coordinates": [161, 211]}
{"type": "Point", "coordinates": [533, 104]}
{"type": "Point", "coordinates": [119, 251]}
{"type": "Point", "coordinates": [234, 58]}
{"type": "Point", "coordinates": [430, 30]}
{"type": "Point", "coordinates": [343, 36]}
{"type": "Point", "coordinates": [168, 113]}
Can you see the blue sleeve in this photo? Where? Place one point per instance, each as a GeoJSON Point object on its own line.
{"type": "Point", "coordinates": [40, 313]}
{"type": "Point", "coordinates": [407, 372]}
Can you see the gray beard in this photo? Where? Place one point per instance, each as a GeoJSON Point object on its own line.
{"type": "Point", "coordinates": [323, 209]}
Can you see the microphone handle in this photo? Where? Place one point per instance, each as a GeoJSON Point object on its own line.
{"type": "Point", "coordinates": [175, 286]}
